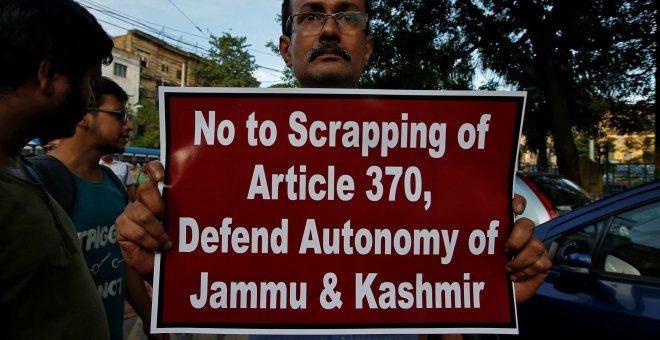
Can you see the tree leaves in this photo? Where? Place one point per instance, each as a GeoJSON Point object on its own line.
{"type": "Point", "coordinates": [228, 64]}
{"type": "Point", "coordinates": [578, 60]}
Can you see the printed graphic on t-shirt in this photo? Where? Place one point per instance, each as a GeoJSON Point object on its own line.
{"type": "Point", "coordinates": [94, 212]}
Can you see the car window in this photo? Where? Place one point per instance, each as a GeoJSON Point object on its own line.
{"type": "Point", "coordinates": [632, 243]}
{"type": "Point", "coordinates": [589, 234]}
{"type": "Point", "coordinates": [560, 191]}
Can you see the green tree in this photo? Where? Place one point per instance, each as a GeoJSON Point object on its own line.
{"type": "Point", "coordinates": [415, 47]}
{"type": "Point", "coordinates": [288, 79]}
{"type": "Point", "coordinates": [577, 60]}
{"type": "Point", "coordinates": [585, 59]}
{"type": "Point", "coordinates": [227, 65]}
{"type": "Point", "coordinates": [146, 131]}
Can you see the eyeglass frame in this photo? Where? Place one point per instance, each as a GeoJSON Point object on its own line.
{"type": "Point", "coordinates": [289, 21]}
{"type": "Point", "coordinates": [123, 116]}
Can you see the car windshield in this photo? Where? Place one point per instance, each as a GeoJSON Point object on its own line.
{"type": "Point", "coordinates": [560, 191]}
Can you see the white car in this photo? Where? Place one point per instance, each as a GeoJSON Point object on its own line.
{"type": "Point", "coordinates": [548, 195]}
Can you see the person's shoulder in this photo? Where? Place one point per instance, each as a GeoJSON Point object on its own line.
{"type": "Point", "coordinates": [116, 165]}
{"type": "Point", "coordinates": [7, 184]}
{"type": "Point", "coordinates": [122, 163]}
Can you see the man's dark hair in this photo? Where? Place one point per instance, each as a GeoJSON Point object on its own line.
{"type": "Point", "coordinates": [103, 86]}
{"type": "Point", "coordinates": [286, 13]}
{"type": "Point", "coordinates": [60, 31]}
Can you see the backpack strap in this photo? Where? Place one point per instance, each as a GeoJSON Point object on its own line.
{"type": "Point", "coordinates": [121, 186]}
{"type": "Point", "coordinates": [56, 178]}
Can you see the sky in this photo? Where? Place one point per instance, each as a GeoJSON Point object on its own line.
{"type": "Point", "coordinates": [189, 23]}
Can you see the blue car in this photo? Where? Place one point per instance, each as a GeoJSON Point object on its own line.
{"type": "Point", "coordinates": [605, 278]}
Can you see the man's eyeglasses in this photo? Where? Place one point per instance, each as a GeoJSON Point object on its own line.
{"type": "Point", "coordinates": [122, 115]}
{"type": "Point", "coordinates": [313, 22]}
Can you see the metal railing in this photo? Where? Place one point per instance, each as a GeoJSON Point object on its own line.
{"type": "Point", "coordinates": [619, 177]}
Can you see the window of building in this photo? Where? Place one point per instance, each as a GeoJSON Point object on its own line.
{"type": "Point", "coordinates": [144, 63]}
{"type": "Point", "coordinates": [178, 74]}
{"type": "Point", "coordinates": [164, 68]}
{"type": "Point", "coordinates": [120, 70]}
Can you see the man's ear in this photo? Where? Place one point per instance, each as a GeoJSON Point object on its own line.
{"type": "Point", "coordinates": [86, 121]}
{"type": "Point", "coordinates": [285, 44]}
{"type": "Point", "coordinates": [45, 75]}
{"type": "Point", "coordinates": [369, 48]}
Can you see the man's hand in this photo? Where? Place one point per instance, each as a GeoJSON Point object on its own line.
{"type": "Point", "coordinates": [138, 228]}
{"type": "Point", "coordinates": [531, 262]}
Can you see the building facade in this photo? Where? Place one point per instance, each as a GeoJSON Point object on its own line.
{"type": "Point", "coordinates": [125, 71]}
{"type": "Point", "coordinates": [631, 148]}
{"type": "Point", "coordinates": [160, 63]}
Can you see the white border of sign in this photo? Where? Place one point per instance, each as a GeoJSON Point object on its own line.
{"type": "Point", "coordinates": [317, 331]}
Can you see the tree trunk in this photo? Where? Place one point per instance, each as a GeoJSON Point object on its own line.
{"type": "Point", "coordinates": [657, 135]}
{"type": "Point", "coordinates": [542, 160]}
{"type": "Point", "coordinates": [565, 148]}
{"type": "Point", "coordinates": [657, 122]}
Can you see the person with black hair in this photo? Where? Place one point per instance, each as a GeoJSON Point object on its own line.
{"type": "Point", "coordinates": [324, 52]}
{"type": "Point", "coordinates": [51, 51]}
{"type": "Point", "coordinates": [95, 197]}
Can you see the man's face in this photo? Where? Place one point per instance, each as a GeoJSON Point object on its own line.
{"type": "Point", "coordinates": [110, 134]}
{"type": "Point", "coordinates": [320, 59]}
{"type": "Point", "coordinates": [70, 107]}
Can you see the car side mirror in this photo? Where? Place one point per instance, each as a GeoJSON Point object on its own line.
{"type": "Point", "coordinates": [574, 261]}
{"type": "Point", "coordinates": [574, 257]}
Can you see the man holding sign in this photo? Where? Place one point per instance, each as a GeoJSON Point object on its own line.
{"type": "Point", "coordinates": [322, 52]}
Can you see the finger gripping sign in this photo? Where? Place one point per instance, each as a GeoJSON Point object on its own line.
{"type": "Point", "coordinates": [336, 212]}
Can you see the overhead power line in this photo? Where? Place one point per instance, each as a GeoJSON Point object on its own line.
{"type": "Point", "coordinates": [184, 14]}
{"type": "Point", "coordinates": [160, 31]}
{"type": "Point", "coordinates": [137, 21]}
{"type": "Point", "coordinates": [152, 27]}
{"type": "Point", "coordinates": [268, 68]}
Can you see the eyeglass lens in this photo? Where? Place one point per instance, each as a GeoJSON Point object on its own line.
{"type": "Point", "coordinates": [314, 21]}
{"type": "Point", "coordinates": [122, 115]}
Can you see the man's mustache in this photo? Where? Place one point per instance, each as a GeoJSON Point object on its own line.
{"type": "Point", "coordinates": [328, 48]}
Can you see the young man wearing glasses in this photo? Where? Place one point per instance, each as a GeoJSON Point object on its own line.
{"type": "Point", "coordinates": [51, 50]}
{"type": "Point", "coordinates": [99, 198]}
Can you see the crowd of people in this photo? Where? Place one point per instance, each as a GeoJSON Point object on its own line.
{"type": "Point", "coordinates": [77, 239]}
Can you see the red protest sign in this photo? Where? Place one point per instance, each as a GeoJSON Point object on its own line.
{"type": "Point", "coordinates": [319, 212]}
